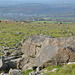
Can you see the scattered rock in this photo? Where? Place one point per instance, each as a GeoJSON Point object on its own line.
{"type": "Point", "coordinates": [32, 73]}
{"type": "Point", "coordinates": [8, 62]}
{"type": "Point", "coordinates": [71, 63]}
{"type": "Point", "coordinates": [4, 74]}
{"type": "Point", "coordinates": [54, 70]}
{"type": "Point", "coordinates": [14, 72]}
{"type": "Point", "coordinates": [6, 48]}
{"type": "Point", "coordinates": [37, 69]}
{"type": "Point", "coordinates": [18, 33]}
{"type": "Point", "coordinates": [17, 53]}
{"type": "Point", "coordinates": [7, 53]}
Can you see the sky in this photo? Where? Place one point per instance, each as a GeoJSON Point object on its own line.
{"type": "Point", "coordinates": [37, 0]}
{"type": "Point", "coordinates": [11, 2]}
{"type": "Point", "coordinates": [33, 0]}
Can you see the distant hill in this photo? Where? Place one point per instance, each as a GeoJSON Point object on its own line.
{"type": "Point", "coordinates": [14, 2]}
{"type": "Point", "coordinates": [38, 8]}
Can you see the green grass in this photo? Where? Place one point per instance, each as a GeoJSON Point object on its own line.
{"type": "Point", "coordinates": [52, 67]}
{"type": "Point", "coordinates": [67, 70]}
{"type": "Point", "coordinates": [52, 22]}
{"type": "Point", "coordinates": [67, 22]}
{"type": "Point", "coordinates": [26, 72]}
{"type": "Point", "coordinates": [11, 33]}
{"type": "Point", "coordinates": [44, 21]}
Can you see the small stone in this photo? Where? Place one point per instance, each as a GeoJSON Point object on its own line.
{"type": "Point", "coordinates": [7, 53]}
{"type": "Point", "coordinates": [32, 73]}
{"type": "Point", "coordinates": [37, 69]}
{"type": "Point", "coordinates": [14, 72]}
{"type": "Point", "coordinates": [54, 70]}
{"type": "Point", "coordinates": [70, 63]}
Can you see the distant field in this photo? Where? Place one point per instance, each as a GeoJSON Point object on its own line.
{"type": "Point", "coordinates": [67, 22]}
{"type": "Point", "coordinates": [44, 21]}
{"type": "Point", "coordinates": [53, 22]}
{"type": "Point", "coordinates": [4, 19]}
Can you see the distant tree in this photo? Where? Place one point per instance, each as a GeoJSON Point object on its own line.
{"type": "Point", "coordinates": [44, 22]}
{"type": "Point", "coordinates": [60, 22]}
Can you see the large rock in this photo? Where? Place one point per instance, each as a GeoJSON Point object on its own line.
{"type": "Point", "coordinates": [44, 51]}
{"type": "Point", "coordinates": [30, 50]}
{"type": "Point", "coordinates": [32, 46]}
{"type": "Point", "coordinates": [56, 51]}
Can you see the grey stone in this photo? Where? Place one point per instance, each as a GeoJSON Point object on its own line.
{"type": "Point", "coordinates": [7, 53]}
{"type": "Point", "coordinates": [17, 53]}
{"type": "Point", "coordinates": [8, 62]}
{"type": "Point", "coordinates": [42, 51]}
{"type": "Point", "coordinates": [70, 63]}
{"type": "Point", "coordinates": [14, 72]}
{"type": "Point", "coordinates": [32, 73]}
{"type": "Point", "coordinates": [4, 74]}
{"type": "Point", "coordinates": [37, 69]}
{"type": "Point", "coordinates": [54, 70]}
{"type": "Point", "coordinates": [1, 63]}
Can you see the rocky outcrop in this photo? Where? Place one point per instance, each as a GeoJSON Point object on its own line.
{"type": "Point", "coordinates": [32, 46]}
{"type": "Point", "coordinates": [8, 62]}
{"type": "Point", "coordinates": [60, 57]}
{"type": "Point", "coordinates": [30, 50]}
{"type": "Point", "coordinates": [40, 51]}
{"type": "Point", "coordinates": [44, 51]}
{"type": "Point", "coordinates": [56, 51]}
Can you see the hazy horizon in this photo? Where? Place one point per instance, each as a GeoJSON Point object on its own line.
{"type": "Point", "coordinates": [13, 2]}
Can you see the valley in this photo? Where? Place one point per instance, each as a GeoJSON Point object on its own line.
{"type": "Point", "coordinates": [60, 12]}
